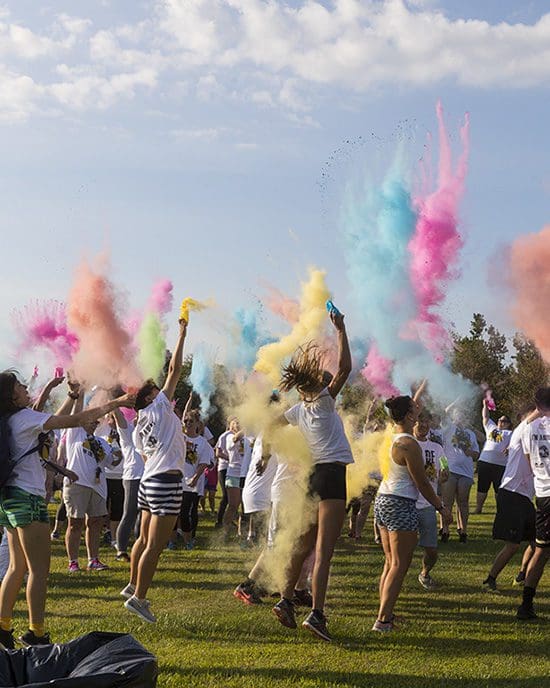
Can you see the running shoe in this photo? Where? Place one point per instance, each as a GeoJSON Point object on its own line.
{"type": "Point", "coordinates": [141, 608]}
{"type": "Point", "coordinates": [247, 594]}
{"type": "Point", "coordinates": [171, 546]}
{"type": "Point", "coordinates": [444, 537]}
{"type": "Point", "coordinates": [490, 585]}
{"type": "Point", "coordinates": [128, 591]}
{"type": "Point", "coordinates": [525, 613]}
{"type": "Point", "coordinates": [383, 626]}
{"type": "Point", "coordinates": [519, 579]}
{"type": "Point", "coordinates": [29, 638]}
{"type": "Point", "coordinates": [316, 622]}
{"type": "Point", "coordinates": [462, 537]}
{"type": "Point", "coordinates": [427, 582]}
{"type": "Point", "coordinates": [7, 641]}
{"type": "Point", "coordinates": [122, 556]}
{"type": "Point", "coordinates": [302, 598]}
{"type": "Point", "coordinates": [284, 611]}
{"type": "Point", "coordinates": [96, 565]}
{"type": "Point", "coordinates": [189, 545]}
{"type": "Point", "coordinates": [74, 567]}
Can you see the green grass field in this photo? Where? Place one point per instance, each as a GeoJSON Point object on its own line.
{"type": "Point", "coordinates": [458, 636]}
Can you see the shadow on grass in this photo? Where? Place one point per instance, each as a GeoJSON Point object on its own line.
{"type": "Point", "coordinates": [356, 678]}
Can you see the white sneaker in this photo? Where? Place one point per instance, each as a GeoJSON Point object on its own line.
{"type": "Point", "coordinates": [141, 608]}
{"type": "Point", "coordinates": [128, 591]}
{"type": "Point", "coordinates": [427, 582]}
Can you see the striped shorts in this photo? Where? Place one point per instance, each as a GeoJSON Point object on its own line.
{"type": "Point", "coordinates": [161, 494]}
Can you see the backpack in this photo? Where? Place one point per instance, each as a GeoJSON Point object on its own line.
{"type": "Point", "coordinates": [7, 462]}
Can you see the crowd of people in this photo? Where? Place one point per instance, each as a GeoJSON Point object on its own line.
{"type": "Point", "coordinates": [144, 464]}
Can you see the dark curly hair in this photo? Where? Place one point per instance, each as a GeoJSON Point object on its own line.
{"type": "Point", "coordinates": [8, 379]}
{"type": "Point", "coordinates": [398, 407]}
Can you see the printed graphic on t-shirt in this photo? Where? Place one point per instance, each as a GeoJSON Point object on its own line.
{"type": "Point", "coordinates": [496, 435]}
{"type": "Point", "coordinates": [435, 437]}
{"type": "Point", "coordinates": [541, 459]}
{"type": "Point", "coordinates": [429, 464]}
{"type": "Point", "coordinates": [113, 440]}
{"type": "Point", "coordinates": [461, 439]}
{"type": "Point", "coordinates": [191, 455]}
{"type": "Point", "coordinates": [147, 434]}
{"type": "Point", "coordinates": [91, 447]}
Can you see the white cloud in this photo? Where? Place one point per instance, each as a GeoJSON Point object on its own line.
{"type": "Point", "coordinates": [207, 134]}
{"type": "Point", "coordinates": [18, 96]}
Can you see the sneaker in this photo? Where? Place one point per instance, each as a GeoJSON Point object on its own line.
{"type": "Point", "coordinates": [302, 598]}
{"type": "Point", "coordinates": [29, 638]}
{"type": "Point", "coordinates": [189, 545]}
{"type": "Point", "coordinates": [490, 585]}
{"type": "Point", "coordinates": [444, 537]}
{"type": "Point", "coordinates": [141, 608]}
{"type": "Point", "coordinates": [7, 641]}
{"type": "Point", "coordinates": [96, 565]}
{"type": "Point", "coordinates": [247, 594]}
{"type": "Point", "coordinates": [122, 556]}
{"type": "Point", "coordinates": [316, 622]}
{"type": "Point", "coordinates": [462, 537]}
{"type": "Point", "coordinates": [284, 611]}
{"type": "Point", "coordinates": [427, 582]}
{"type": "Point", "coordinates": [383, 626]}
{"type": "Point", "coordinates": [74, 567]}
{"type": "Point", "coordinates": [171, 546]}
{"type": "Point", "coordinates": [526, 613]}
{"type": "Point", "coordinates": [54, 535]}
{"type": "Point", "coordinates": [519, 579]}
{"type": "Point", "coordinates": [128, 591]}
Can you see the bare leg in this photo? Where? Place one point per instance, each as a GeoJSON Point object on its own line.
{"type": "Point", "coordinates": [160, 529]}
{"type": "Point", "coordinates": [139, 545]}
{"type": "Point", "coordinates": [93, 535]}
{"type": "Point", "coordinates": [402, 544]}
{"type": "Point", "coordinates": [480, 501]}
{"type": "Point", "coordinates": [502, 558]}
{"type": "Point", "coordinates": [332, 513]}
{"type": "Point", "coordinates": [536, 566]}
{"type": "Point", "coordinates": [527, 555]}
{"type": "Point", "coordinates": [73, 535]}
{"type": "Point", "coordinates": [366, 501]}
{"type": "Point", "coordinates": [299, 554]}
{"type": "Point", "coordinates": [36, 545]}
{"type": "Point", "coordinates": [428, 560]}
{"type": "Point", "coordinates": [233, 503]}
{"type": "Point", "coordinates": [462, 502]}
{"type": "Point", "coordinates": [448, 495]}
{"type": "Point", "coordinates": [385, 539]}
{"type": "Point", "coordinates": [13, 580]}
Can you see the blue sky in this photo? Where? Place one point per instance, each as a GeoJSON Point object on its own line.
{"type": "Point", "coordinates": [189, 137]}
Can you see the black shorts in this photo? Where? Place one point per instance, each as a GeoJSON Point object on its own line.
{"type": "Point", "coordinates": [328, 481]}
{"type": "Point", "coordinates": [115, 498]}
{"type": "Point", "coordinates": [487, 474]}
{"type": "Point", "coordinates": [542, 522]}
{"type": "Point", "coordinates": [515, 518]}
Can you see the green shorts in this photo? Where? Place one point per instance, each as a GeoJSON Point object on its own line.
{"type": "Point", "coordinates": [19, 508]}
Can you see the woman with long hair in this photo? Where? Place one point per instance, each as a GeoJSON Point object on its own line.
{"type": "Point", "coordinates": [395, 506]}
{"type": "Point", "coordinates": [323, 430]}
{"type": "Point", "coordinates": [158, 437]}
{"type": "Point", "coordinates": [23, 510]}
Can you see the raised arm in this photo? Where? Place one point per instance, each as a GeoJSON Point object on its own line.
{"type": "Point", "coordinates": [420, 391]}
{"type": "Point", "coordinates": [344, 355]}
{"type": "Point", "coordinates": [121, 422]}
{"type": "Point", "coordinates": [79, 418]}
{"type": "Point", "coordinates": [176, 363]}
{"type": "Point", "coordinates": [188, 404]}
{"type": "Point", "coordinates": [45, 393]}
{"type": "Point", "coordinates": [485, 417]}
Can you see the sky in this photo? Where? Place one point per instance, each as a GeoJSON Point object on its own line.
{"type": "Point", "coordinates": [190, 139]}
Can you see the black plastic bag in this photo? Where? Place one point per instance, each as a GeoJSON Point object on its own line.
{"type": "Point", "coordinates": [95, 660]}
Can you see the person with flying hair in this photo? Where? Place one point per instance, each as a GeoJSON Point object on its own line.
{"type": "Point", "coordinates": [317, 418]}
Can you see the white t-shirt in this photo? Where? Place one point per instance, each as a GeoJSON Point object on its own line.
{"type": "Point", "coordinates": [159, 439]}
{"type": "Point", "coordinates": [82, 461]}
{"type": "Point", "coordinates": [29, 474]}
{"type": "Point", "coordinates": [286, 479]}
{"type": "Point", "coordinates": [133, 462]}
{"type": "Point", "coordinates": [536, 443]}
{"type": "Point", "coordinates": [239, 453]}
{"type": "Point", "coordinates": [197, 451]}
{"type": "Point", "coordinates": [206, 433]}
{"type": "Point", "coordinates": [257, 488]}
{"type": "Point", "coordinates": [496, 443]}
{"type": "Point", "coordinates": [455, 441]}
{"type": "Point", "coordinates": [115, 472]}
{"type": "Point", "coordinates": [222, 444]}
{"type": "Point", "coordinates": [518, 476]}
{"type": "Point", "coordinates": [431, 453]}
{"type": "Point", "coordinates": [322, 428]}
